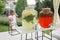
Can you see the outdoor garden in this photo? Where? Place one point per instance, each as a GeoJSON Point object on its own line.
{"type": "Point", "coordinates": [20, 6]}
{"type": "Point", "coordinates": [4, 24]}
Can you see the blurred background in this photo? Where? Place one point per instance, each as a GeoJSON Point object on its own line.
{"type": "Point", "coordinates": [19, 6]}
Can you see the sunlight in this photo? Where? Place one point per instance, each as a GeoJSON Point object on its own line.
{"type": "Point", "coordinates": [31, 2]}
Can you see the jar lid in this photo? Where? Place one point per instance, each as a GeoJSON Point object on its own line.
{"type": "Point", "coordinates": [29, 7]}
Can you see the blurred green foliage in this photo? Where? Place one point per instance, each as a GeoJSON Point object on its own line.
{"type": "Point", "coordinates": [4, 21]}
{"type": "Point", "coordinates": [20, 6]}
{"type": "Point", "coordinates": [2, 7]}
